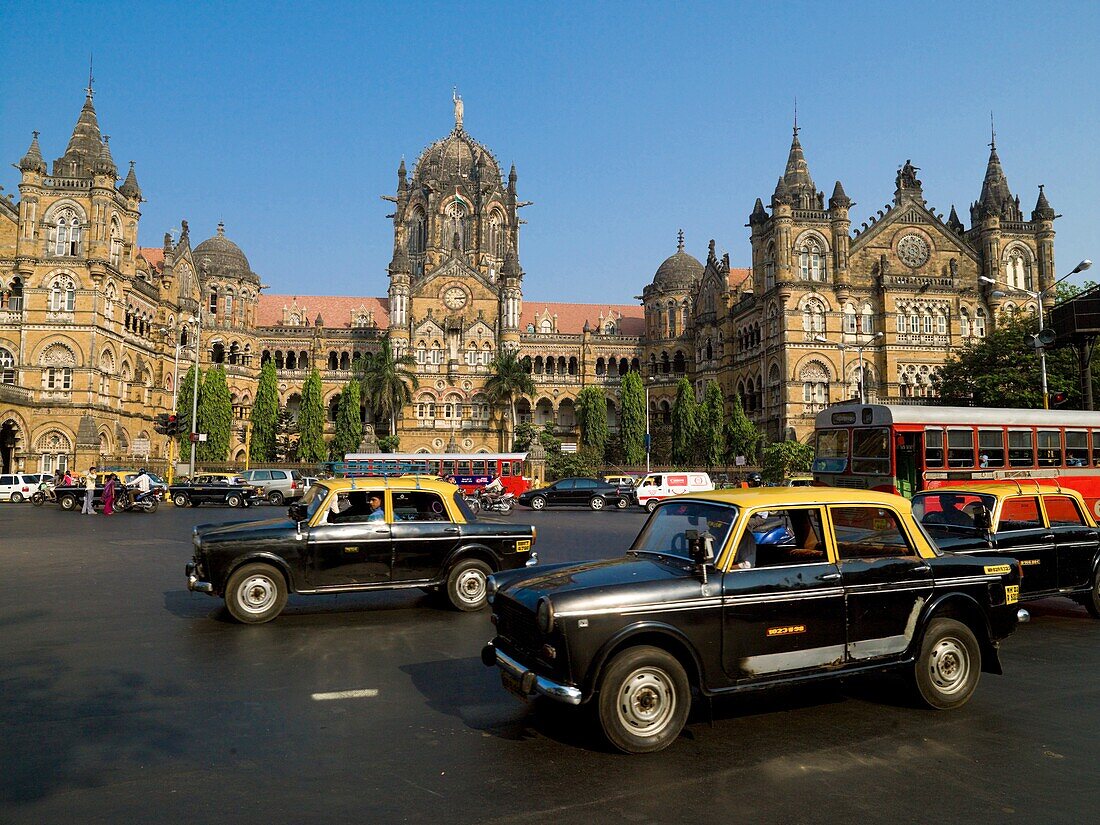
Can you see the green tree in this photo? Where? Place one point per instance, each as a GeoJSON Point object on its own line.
{"type": "Point", "coordinates": [524, 437]}
{"type": "Point", "coordinates": [684, 427]}
{"type": "Point", "coordinates": [311, 421]}
{"type": "Point", "coordinates": [592, 416]}
{"type": "Point", "coordinates": [508, 378]}
{"type": "Point", "coordinates": [265, 414]}
{"type": "Point", "coordinates": [550, 442]}
{"type": "Point", "coordinates": [1002, 369]}
{"type": "Point", "coordinates": [583, 462]}
{"type": "Point", "coordinates": [388, 381]}
{"type": "Point", "coordinates": [710, 426]}
{"type": "Point", "coordinates": [742, 437]}
{"type": "Point", "coordinates": [389, 443]}
{"type": "Point", "coordinates": [286, 436]}
{"type": "Point", "coordinates": [632, 418]}
{"type": "Point", "coordinates": [783, 459]}
{"type": "Point", "coordinates": [183, 409]}
{"type": "Point", "coordinates": [349, 427]}
{"type": "Point", "coordinates": [215, 416]}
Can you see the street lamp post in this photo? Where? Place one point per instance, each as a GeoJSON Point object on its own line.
{"type": "Point", "coordinates": [1038, 298]}
{"type": "Point", "coordinates": [648, 440]}
{"type": "Point", "coordinates": [195, 389]}
{"type": "Point", "coordinates": [843, 347]}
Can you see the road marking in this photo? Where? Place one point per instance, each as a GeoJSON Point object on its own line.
{"type": "Point", "coordinates": [345, 694]}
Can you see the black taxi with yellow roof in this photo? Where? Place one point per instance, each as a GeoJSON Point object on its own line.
{"type": "Point", "coordinates": [350, 535]}
{"type": "Point", "coordinates": [738, 590]}
{"type": "Point", "coordinates": [1049, 529]}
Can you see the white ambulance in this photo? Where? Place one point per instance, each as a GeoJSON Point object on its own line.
{"type": "Point", "coordinates": [657, 486]}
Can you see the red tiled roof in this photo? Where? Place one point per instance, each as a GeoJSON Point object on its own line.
{"type": "Point", "coordinates": [154, 255]}
{"type": "Point", "coordinates": [571, 317]}
{"type": "Point", "coordinates": [738, 277]}
{"type": "Point", "coordinates": [335, 310]}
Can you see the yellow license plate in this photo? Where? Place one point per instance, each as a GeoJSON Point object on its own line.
{"type": "Point", "coordinates": [511, 684]}
{"type": "Point", "coordinates": [1012, 593]}
{"type": "Point", "coordinates": [523, 546]}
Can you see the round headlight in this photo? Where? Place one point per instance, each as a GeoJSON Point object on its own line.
{"type": "Point", "coordinates": [544, 617]}
{"type": "Point", "coordinates": [490, 589]}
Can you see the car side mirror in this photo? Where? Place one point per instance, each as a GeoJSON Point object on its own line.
{"type": "Point", "coordinates": [297, 511]}
{"type": "Point", "coordinates": [701, 550]}
{"type": "Point", "coordinates": [983, 519]}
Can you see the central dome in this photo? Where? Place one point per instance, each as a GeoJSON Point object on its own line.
{"type": "Point", "coordinates": [679, 270]}
{"type": "Point", "coordinates": [220, 257]}
{"type": "Point", "coordinates": [456, 158]}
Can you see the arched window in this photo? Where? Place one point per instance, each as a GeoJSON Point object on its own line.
{"type": "Point", "coordinates": [63, 294]}
{"type": "Point", "coordinates": [53, 448]}
{"type": "Point", "coordinates": [11, 297]}
{"type": "Point", "coordinates": [57, 361]}
{"type": "Point", "coordinates": [116, 243]}
{"type": "Point", "coordinates": [815, 383]}
{"type": "Point", "coordinates": [496, 234]}
{"type": "Point", "coordinates": [671, 319]}
{"type": "Point", "coordinates": [812, 260]}
{"type": "Point", "coordinates": [229, 306]}
{"type": "Point", "coordinates": [333, 360]}
{"type": "Point", "coordinates": [867, 320]}
{"type": "Point", "coordinates": [67, 231]}
{"type": "Point", "coordinates": [979, 322]}
{"type": "Point", "coordinates": [849, 319]}
{"type": "Point", "coordinates": [679, 363]}
{"type": "Point", "coordinates": [7, 367]}
{"type": "Point", "coordinates": [769, 267]}
{"type": "Point", "coordinates": [773, 385]}
{"type": "Point", "coordinates": [217, 352]}
{"type": "Point", "coordinates": [941, 324]}
{"type": "Point", "coordinates": [213, 301]}
{"type": "Point", "coordinates": [1018, 269]}
{"type": "Point", "coordinates": [457, 224]}
{"type": "Point", "coordinates": [926, 323]}
{"type": "Point", "coordinates": [773, 321]}
{"type": "Point", "coordinates": [546, 325]}
{"type": "Point", "coordinates": [813, 316]}
{"type": "Point", "coordinates": [964, 323]}
{"type": "Point", "coordinates": [345, 361]}
{"type": "Point", "coordinates": [418, 233]}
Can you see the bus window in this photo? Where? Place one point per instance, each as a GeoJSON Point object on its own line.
{"type": "Point", "coordinates": [1077, 448]}
{"type": "Point", "coordinates": [1050, 448]}
{"type": "Point", "coordinates": [933, 448]}
{"type": "Point", "coordinates": [871, 451]}
{"type": "Point", "coordinates": [462, 468]}
{"type": "Point", "coordinates": [831, 451]}
{"type": "Point", "coordinates": [960, 448]}
{"type": "Point", "coordinates": [505, 468]}
{"type": "Point", "coordinates": [479, 468]}
{"type": "Point", "coordinates": [448, 468]}
{"type": "Point", "coordinates": [1021, 449]}
{"type": "Point", "coordinates": [991, 448]}
{"type": "Point", "coordinates": [1096, 448]}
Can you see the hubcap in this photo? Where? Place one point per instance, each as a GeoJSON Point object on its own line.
{"type": "Point", "coordinates": [949, 665]}
{"type": "Point", "coordinates": [538, 504]}
{"type": "Point", "coordinates": [646, 701]}
{"type": "Point", "coordinates": [257, 594]}
{"type": "Point", "coordinates": [471, 586]}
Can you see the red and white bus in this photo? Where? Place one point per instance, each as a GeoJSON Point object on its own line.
{"type": "Point", "coordinates": [470, 471]}
{"type": "Point", "coordinates": [905, 449]}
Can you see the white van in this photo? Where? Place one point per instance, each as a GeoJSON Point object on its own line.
{"type": "Point", "coordinates": [657, 486]}
{"type": "Point", "coordinates": [17, 487]}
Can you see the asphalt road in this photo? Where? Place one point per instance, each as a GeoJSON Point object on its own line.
{"type": "Point", "coordinates": [125, 698]}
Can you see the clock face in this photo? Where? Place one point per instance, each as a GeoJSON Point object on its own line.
{"type": "Point", "coordinates": [913, 250]}
{"type": "Point", "coordinates": [455, 297]}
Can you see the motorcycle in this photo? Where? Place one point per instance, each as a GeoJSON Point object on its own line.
{"type": "Point", "coordinates": [44, 493]}
{"type": "Point", "coordinates": [496, 502]}
{"type": "Point", "coordinates": [130, 500]}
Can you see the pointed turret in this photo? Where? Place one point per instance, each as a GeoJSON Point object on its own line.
{"type": "Point", "coordinates": [758, 215]}
{"type": "Point", "coordinates": [1042, 211]}
{"type": "Point", "coordinates": [953, 222]}
{"type": "Point", "coordinates": [839, 199]}
{"type": "Point", "coordinates": [402, 183]}
{"type": "Point", "coordinates": [512, 178]}
{"type": "Point", "coordinates": [84, 146]}
{"type": "Point", "coordinates": [796, 183]}
{"type": "Point", "coordinates": [996, 198]}
{"type": "Point", "coordinates": [105, 164]}
{"type": "Point", "coordinates": [511, 266]}
{"type": "Point", "coordinates": [32, 161]}
{"type": "Point", "coordinates": [130, 188]}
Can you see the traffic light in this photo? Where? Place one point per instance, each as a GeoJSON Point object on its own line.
{"type": "Point", "coordinates": [163, 423]}
{"type": "Point", "coordinates": [1058, 398]}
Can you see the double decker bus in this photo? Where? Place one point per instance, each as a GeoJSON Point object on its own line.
{"type": "Point", "coordinates": [470, 471]}
{"type": "Point", "coordinates": [905, 449]}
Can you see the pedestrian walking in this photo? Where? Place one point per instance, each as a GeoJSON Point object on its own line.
{"type": "Point", "coordinates": [109, 496]}
{"type": "Point", "coordinates": [89, 493]}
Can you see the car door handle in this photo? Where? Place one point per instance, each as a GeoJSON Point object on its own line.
{"type": "Point", "coordinates": [829, 577]}
{"type": "Point", "coordinates": [450, 530]}
{"type": "Point", "coordinates": [381, 529]}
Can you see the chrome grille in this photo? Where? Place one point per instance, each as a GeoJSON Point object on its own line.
{"type": "Point", "coordinates": [517, 624]}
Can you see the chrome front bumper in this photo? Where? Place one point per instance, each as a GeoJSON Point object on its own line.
{"type": "Point", "coordinates": [529, 681]}
{"type": "Point", "coordinates": [1023, 616]}
{"type": "Point", "coordinates": [194, 583]}
{"type": "Point", "coordinates": [533, 560]}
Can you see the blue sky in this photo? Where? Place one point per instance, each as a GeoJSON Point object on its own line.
{"type": "Point", "coordinates": [626, 121]}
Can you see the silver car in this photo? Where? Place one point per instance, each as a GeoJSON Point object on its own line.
{"type": "Point", "coordinates": [278, 485]}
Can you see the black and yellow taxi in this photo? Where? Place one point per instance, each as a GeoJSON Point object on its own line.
{"type": "Point", "coordinates": [358, 534]}
{"type": "Point", "coordinates": [228, 489]}
{"type": "Point", "coordinates": [738, 590]}
{"type": "Point", "coordinates": [1049, 529]}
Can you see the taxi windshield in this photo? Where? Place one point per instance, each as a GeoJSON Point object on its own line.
{"type": "Point", "coordinates": [950, 511]}
{"type": "Point", "coordinates": [666, 531]}
{"type": "Point", "coordinates": [313, 499]}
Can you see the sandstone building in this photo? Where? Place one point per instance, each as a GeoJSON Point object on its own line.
{"type": "Point", "coordinates": [95, 330]}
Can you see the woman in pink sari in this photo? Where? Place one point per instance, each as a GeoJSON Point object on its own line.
{"type": "Point", "coordinates": [109, 496]}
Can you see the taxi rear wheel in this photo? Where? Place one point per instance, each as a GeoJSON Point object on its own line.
{"type": "Point", "coordinates": [255, 594]}
{"type": "Point", "coordinates": [233, 501]}
{"type": "Point", "coordinates": [622, 503]}
{"type": "Point", "coordinates": [949, 665]}
{"type": "Point", "coordinates": [466, 585]}
{"type": "Point", "coordinates": [181, 500]}
{"type": "Point", "coordinates": [644, 700]}
{"type": "Point", "coordinates": [1092, 598]}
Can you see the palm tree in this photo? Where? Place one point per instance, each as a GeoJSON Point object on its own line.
{"type": "Point", "coordinates": [508, 380]}
{"type": "Point", "coordinates": [388, 382]}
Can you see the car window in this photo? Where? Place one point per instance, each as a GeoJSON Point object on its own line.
{"type": "Point", "coordinates": [776, 538]}
{"type": "Point", "coordinates": [1063, 511]}
{"type": "Point", "coordinates": [584, 484]}
{"type": "Point", "coordinates": [418, 505]}
{"type": "Point", "coordinates": [278, 475]}
{"type": "Point", "coordinates": [7, 479]}
{"type": "Point", "coordinates": [868, 532]}
{"type": "Point", "coordinates": [354, 506]}
{"type": "Point", "coordinates": [564, 484]}
{"type": "Point", "coordinates": [262, 475]}
{"type": "Point", "coordinates": [667, 529]}
{"type": "Point", "coordinates": [1020, 513]}
{"type": "Point", "coordinates": [294, 474]}
{"type": "Point", "coordinates": [950, 509]}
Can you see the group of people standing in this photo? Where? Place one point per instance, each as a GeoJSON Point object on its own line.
{"type": "Point", "coordinates": [112, 489]}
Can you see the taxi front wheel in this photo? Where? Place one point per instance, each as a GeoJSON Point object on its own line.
{"type": "Point", "coordinates": [466, 584]}
{"type": "Point", "coordinates": [644, 700]}
{"type": "Point", "coordinates": [1092, 598]}
{"type": "Point", "coordinates": [950, 662]}
{"type": "Point", "coordinates": [255, 594]}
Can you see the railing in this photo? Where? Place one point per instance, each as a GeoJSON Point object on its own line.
{"type": "Point", "coordinates": [15, 395]}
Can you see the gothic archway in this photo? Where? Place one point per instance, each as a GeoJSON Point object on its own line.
{"type": "Point", "coordinates": [9, 445]}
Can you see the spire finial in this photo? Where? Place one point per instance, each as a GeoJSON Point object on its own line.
{"type": "Point", "coordinates": [221, 229]}
{"type": "Point", "coordinates": [35, 133]}
{"type": "Point", "coordinates": [459, 108]}
{"type": "Point", "coordinates": [680, 241]}
{"type": "Point", "coordinates": [91, 79]}
{"type": "Point", "coordinates": [796, 115]}
{"type": "Point", "coordinates": [992, 132]}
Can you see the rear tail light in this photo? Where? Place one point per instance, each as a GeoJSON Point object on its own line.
{"type": "Point", "coordinates": [294, 485]}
